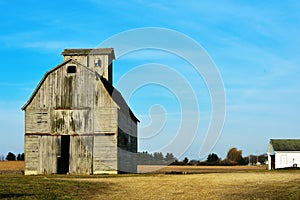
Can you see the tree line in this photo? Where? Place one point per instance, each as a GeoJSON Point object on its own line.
{"type": "Point", "coordinates": [156, 158]}
{"type": "Point", "coordinates": [233, 157]}
{"type": "Point", "coordinates": [12, 157]}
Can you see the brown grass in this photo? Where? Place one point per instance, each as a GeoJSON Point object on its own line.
{"type": "Point", "coordinates": [11, 165]}
{"type": "Point", "coordinates": [255, 184]}
{"type": "Point", "coordinates": [251, 185]}
{"type": "Point", "coordinates": [197, 169]}
{"type": "Point", "coordinates": [19, 166]}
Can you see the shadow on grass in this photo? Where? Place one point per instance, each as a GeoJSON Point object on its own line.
{"type": "Point", "coordinates": [289, 168]}
{"type": "Point", "coordinates": [8, 196]}
{"type": "Point", "coordinates": [40, 187]}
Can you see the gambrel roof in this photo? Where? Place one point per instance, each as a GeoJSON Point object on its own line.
{"type": "Point", "coordinates": [118, 98]}
{"type": "Point", "coordinates": [285, 144]}
{"type": "Point", "coordinates": [113, 92]}
{"type": "Point", "coordinates": [43, 80]}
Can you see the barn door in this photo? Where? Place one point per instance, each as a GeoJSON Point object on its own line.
{"type": "Point", "coordinates": [64, 159]}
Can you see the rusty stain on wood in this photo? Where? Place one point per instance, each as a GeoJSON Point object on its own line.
{"type": "Point", "coordinates": [77, 102]}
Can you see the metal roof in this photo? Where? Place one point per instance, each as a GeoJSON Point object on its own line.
{"type": "Point", "coordinates": [96, 51]}
{"type": "Point", "coordinates": [285, 144]}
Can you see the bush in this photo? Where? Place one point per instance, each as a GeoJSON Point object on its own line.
{"type": "Point", "coordinates": [10, 156]}
{"type": "Point", "coordinates": [185, 160]}
{"type": "Point", "coordinates": [212, 158]}
{"type": "Point", "coordinates": [21, 156]}
{"type": "Point", "coordinates": [235, 156]}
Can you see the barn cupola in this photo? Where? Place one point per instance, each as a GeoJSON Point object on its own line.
{"type": "Point", "coordinates": [98, 59]}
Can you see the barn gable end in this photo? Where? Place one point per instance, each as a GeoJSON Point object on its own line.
{"type": "Point", "coordinates": [72, 121]}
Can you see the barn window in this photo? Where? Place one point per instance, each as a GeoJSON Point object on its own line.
{"type": "Point", "coordinates": [97, 62]}
{"type": "Point", "coordinates": [71, 69]}
{"type": "Point", "coordinates": [129, 139]}
{"type": "Point", "coordinates": [126, 140]}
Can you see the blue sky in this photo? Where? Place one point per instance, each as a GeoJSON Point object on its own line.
{"type": "Point", "coordinates": [254, 44]}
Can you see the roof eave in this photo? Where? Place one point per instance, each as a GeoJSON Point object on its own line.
{"type": "Point", "coordinates": [84, 52]}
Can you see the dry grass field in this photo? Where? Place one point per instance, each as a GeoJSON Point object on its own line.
{"type": "Point", "coordinates": [205, 183]}
{"type": "Point", "coordinates": [203, 186]}
{"type": "Point", "coordinates": [11, 167]}
{"type": "Point", "coordinates": [197, 169]}
{"type": "Point", "coordinates": [239, 185]}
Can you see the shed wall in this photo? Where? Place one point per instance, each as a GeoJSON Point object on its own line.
{"type": "Point", "coordinates": [287, 159]}
{"type": "Point", "coordinates": [127, 143]}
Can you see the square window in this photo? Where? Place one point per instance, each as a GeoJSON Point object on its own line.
{"type": "Point", "coordinates": [97, 62]}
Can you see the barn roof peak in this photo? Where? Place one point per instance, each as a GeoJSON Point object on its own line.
{"type": "Point", "coordinates": [89, 51]}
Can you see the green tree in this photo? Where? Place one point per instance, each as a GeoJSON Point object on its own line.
{"type": "Point", "coordinates": [212, 158]}
{"type": "Point", "coordinates": [145, 158]}
{"type": "Point", "coordinates": [185, 160]}
{"type": "Point", "coordinates": [20, 156]}
{"type": "Point", "coordinates": [170, 157]}
{"type": "Point", "coordinates": [10, 156]}
{"type": "Point", "coordinates": [158, 157]}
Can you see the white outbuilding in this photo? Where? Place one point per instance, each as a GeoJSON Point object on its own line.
{"type": "Point", "coordinates": [283, 153]}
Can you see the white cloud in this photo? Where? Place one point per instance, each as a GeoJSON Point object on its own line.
{"type": "Point", "coordinates": [38, 40]}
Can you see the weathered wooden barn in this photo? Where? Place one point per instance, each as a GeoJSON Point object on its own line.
{"type": "Point", "coordinates": [283, 153]}
{"type": "Point", "coordinates": [76, 122]}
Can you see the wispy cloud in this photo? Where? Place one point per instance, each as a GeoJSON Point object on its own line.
{"type": "Point", "coordinates": [50, 45]}
{"type": "Point", "coordinates": [38, 40]}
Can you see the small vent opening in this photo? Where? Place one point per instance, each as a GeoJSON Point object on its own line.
{"type": "Point", "coordinates": [97, 62]}
{"type": "Point", "coordinates": [71, 69]}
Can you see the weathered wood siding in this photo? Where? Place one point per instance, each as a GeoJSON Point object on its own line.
{"type": "Point", "coordinates": [81, 154]}
{"type": "Point", "coordinates": [41, 154]}
{"type": "Point", "coordinates": [37, 121]}
{"type": "Point", "coordinates": [127, 124]}
{"type": "Point", "coordinates": [106, 130]}
{"type": "Point", "coordinates": [63, 103]}
{"type": "Point", "coordinates": [71, 121]}
{"type": "Point", "coordinates": [106, 111]}
{"type": "Point", "coordinates": [106, 120]}
{"type": "Point", "coordinates": [104, 69]}
{"type": "Point", "coordinates": [78, 58]}
{"type": "Point", "coordinates": [127, 161]}
{"type": "Point", "coordinates": [127, 143]}
{"type": "Point", "coordinates": [105, 153]}
{"type": "Point", "coordinates": [31, 154]}
{"type": "Point", "coordinates": [78, 104]}
{"type": "Point", "coordinates": [49, 149]}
